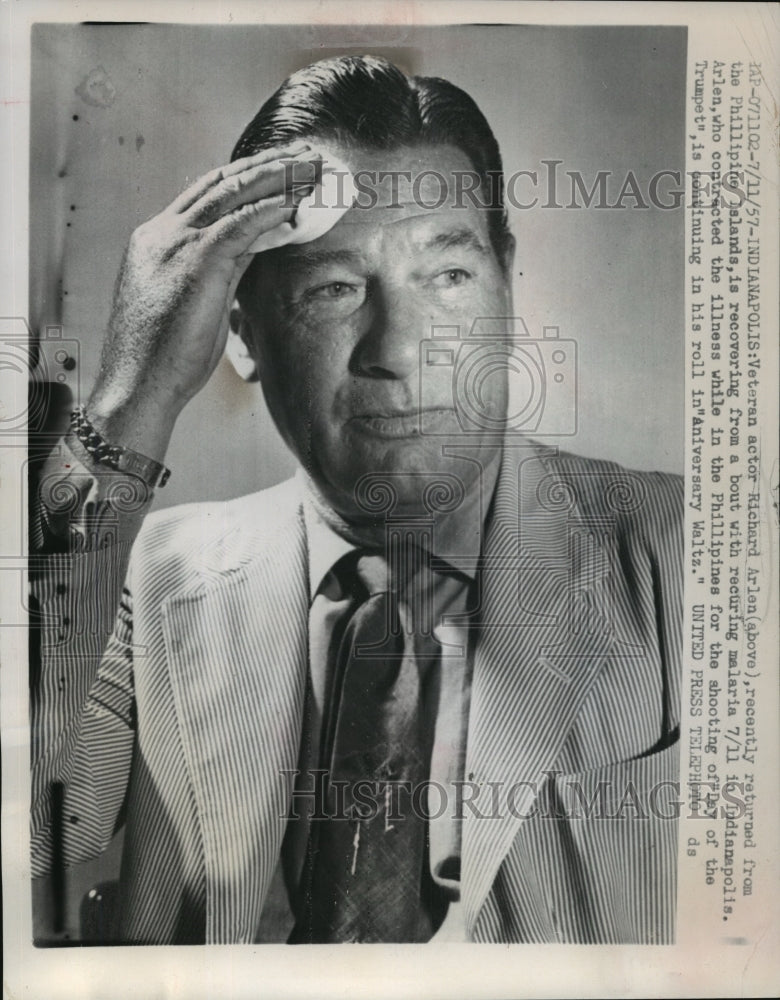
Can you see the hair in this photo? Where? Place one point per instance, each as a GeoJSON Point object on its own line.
{"type": "Point", "coordinates": [367, 102]}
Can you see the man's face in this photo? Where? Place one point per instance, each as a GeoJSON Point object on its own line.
{"type": "Point", "coordinates": [337, 324]}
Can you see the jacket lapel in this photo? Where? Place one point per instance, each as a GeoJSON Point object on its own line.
{"type": "Point", "coordinates": [238, 650]}
{"type": "Point", "coordinates": [543, 637]}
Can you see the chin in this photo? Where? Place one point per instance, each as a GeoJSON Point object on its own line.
{"type": "Point", "coordinates": [404, 480]}
{"type": "Point", "coordinates": [413, 456]}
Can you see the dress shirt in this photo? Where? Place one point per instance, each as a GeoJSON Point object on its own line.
{"type": "Point", "coordinates": [456, 546]}
{"type": "Point", "coordinates": [90, 518]}
{"type": "Point", "coordinates": [81, 505]}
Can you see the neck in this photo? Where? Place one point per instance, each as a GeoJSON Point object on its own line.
{"type": "Point", "coordinates": [456, 534]}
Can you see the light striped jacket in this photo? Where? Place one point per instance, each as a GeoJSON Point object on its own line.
{"type": "Point", "coordinates": [182, 719]}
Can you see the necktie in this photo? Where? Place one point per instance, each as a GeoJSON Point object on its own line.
{"type": "Point", "coordinates": [367, 875]}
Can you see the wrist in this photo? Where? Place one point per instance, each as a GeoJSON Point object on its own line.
{"type": "Point", "coordinates": [143, 425]}
{"type": "Point", "coordinates": [83, 435]}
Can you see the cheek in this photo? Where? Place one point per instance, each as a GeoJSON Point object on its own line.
{"type": "Point", "coordinates": [496, 292]}
{"type": "Point", "coordinates": [485, 299]}
{"type": "Point", "coordinates": [306, 364]}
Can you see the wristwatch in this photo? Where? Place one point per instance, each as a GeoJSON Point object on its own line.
{"type": "Point", "coordinates": [153, 473]}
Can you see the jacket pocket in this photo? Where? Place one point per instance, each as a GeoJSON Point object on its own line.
{"type": "Point", "coordinates": [596, 860]}
{"type": "Point", "coordinates": [643, 787]}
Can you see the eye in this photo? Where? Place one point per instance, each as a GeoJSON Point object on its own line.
{"type": "Point", "coordinates": [333, 290]}
{"type": "Point", "coordinates": [452, 277]}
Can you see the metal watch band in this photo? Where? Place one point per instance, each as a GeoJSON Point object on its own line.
{"type": "Point", "coordinates": [153, 473]}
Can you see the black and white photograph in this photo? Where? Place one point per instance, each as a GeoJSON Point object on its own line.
{"type": "Point", "coordinates": [435, 430]}
{"type": "Point", "coordinates": [360, 499]}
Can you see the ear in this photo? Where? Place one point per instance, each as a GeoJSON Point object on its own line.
{"type": "Point", "coordinates": [239, 339]}
{"type": "Point", "coordinates": [507, 264]}
{"type": "Point", "coordinates": [509, 254]}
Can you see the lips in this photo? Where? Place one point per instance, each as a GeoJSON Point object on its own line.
{"type": "Point", "coordinates": [401, 423]}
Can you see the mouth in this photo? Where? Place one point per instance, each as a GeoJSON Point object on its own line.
{"type": "Point", "coordinates": [402, 423]}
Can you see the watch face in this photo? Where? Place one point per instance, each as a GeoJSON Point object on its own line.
{"type": "Point", "coordinates": [154, 474]}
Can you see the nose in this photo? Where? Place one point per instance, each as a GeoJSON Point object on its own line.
{"type": "Point", "coordinates": [390, 346]}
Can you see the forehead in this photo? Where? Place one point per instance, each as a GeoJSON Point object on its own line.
{"type": "Point", "coordinates": [409, 196]}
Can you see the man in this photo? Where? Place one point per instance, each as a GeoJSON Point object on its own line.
{"type": "Point", "coordinates": [432, 682]}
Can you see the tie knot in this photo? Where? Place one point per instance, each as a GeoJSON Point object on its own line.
{"type": "Point", "coordinates": [401, 570]}
{"type": "Point", "coordinates": [408, 577]}
{"type": "Point", "coordinates": [373, 572]}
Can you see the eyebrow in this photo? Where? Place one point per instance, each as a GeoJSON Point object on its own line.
{"type": "Point", "coordinates": [306, 257]}
{"type": "Point", "coordinates": [453, 239]}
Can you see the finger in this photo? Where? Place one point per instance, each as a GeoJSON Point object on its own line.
{"type": "Point", "coordinates": [239, 230]}
{"type": "Point", "coordinates": [199, 187]}
{"type": "Point", "coordinates": [274, 238]}
{"type": "Point", "coordinates": [251, 185]}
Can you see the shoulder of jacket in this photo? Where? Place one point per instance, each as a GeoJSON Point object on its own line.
{"type": "Point", "coordinates": [632, 497]}
{"type": "Point", "coordinates": [217, 530]}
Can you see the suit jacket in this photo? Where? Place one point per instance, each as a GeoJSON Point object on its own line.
{"type": "Point", "coordinates": [182, 720]}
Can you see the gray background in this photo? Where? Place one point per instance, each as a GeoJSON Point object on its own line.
{"type": "Point", "coordinates": [595, 98]}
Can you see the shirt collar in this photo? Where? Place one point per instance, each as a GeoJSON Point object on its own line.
{"type": "Point", "coordinates": [459, 535]}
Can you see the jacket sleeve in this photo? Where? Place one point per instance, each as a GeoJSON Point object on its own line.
{"type": "Point", "coordinates": [82, 527]}
{"type": "Point", "coordinates": [665, 530]}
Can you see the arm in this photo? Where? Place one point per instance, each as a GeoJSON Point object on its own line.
{"type": "Point", "coordinates": [167, 332]}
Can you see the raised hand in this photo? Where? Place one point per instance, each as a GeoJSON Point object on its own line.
{"type": "Point", "coordinates": [169, 320]}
